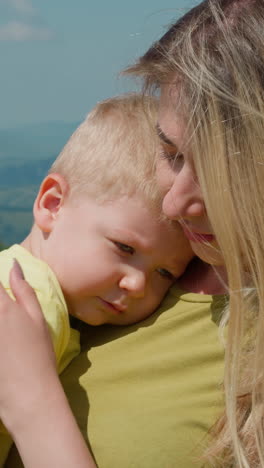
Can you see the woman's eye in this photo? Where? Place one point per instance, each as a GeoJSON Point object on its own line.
{"type": "Point", "coordinates": [166, 274]}
{"type": "Point", "coordinates": [172, 156]}
{"type": "Point", "coordinates": [125, 248]}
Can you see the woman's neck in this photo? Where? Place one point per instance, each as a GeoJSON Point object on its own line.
{"type": "Point", "coordinates": [202, 278]}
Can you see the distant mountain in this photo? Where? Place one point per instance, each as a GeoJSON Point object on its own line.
{"type": "Point", "coordinates": [26, 154]}
{"type": "Point", "coordinates": [21, 173]}
{"type": "Point", "coordinates": [36, 141]}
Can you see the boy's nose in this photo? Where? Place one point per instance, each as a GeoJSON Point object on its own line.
{"type": "Point", "coordinates": [134, 282]}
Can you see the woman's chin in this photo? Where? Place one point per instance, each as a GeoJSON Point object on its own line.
{"type": "Point", "coordinates": [208, 252]}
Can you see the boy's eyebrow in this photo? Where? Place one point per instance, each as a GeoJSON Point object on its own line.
{"type": "Point", "coordinates": [132, 238]}
{"type": "Point", "coordinates": [163, 137]}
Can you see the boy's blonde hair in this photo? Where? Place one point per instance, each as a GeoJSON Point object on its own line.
{"type": "Point", "coordinates": [113, 152]}
{"type": "Point", "coordinates": [214, 56]}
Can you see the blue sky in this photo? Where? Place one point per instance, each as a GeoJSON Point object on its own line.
{"type": "Point", "coordinates": [59, 57]}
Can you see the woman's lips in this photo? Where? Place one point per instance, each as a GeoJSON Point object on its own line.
{"type": "Point", "coordinates": [197, 236]}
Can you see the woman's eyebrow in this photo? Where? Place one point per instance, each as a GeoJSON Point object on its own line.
{"type": "Point", "coordinates": [163, 137]}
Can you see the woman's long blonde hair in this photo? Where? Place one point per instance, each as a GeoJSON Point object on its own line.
{"type": "Point", "coordinates": [215, 55]}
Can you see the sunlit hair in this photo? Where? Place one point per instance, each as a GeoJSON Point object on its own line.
{"type": "Point", "coordinates": [113, 152]}
{"type": "Point", "coordinates": [214, 56]}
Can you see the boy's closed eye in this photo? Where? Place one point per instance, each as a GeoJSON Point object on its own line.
{"type": "Point", "coordinates": [166, 274]}
{"type": "Point", "coordinates": [124, 248]}
{"type": "Point", "coordinates": [127, 249]}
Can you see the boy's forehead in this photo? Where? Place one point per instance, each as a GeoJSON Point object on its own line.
{"type": "Point", "coordinates": [130, 215]}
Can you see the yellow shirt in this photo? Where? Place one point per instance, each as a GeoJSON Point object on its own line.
{"type": "Point", "coordinates": [147, 394]}
{"type": "Point", "coordinates": [49, 293]}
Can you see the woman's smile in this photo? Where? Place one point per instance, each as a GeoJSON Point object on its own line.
{"type": "Point", "coordinates": [197, 236]}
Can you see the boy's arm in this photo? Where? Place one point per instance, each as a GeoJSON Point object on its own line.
{"type": "Point", "coordinates": [33, 405]}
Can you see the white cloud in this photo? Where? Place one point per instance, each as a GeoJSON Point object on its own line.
{"type": "Point", "coordinates": [18, 31]}
{"type": "Point", "coordinates": [24, 22]}
{"type": "Point", "coordinates": [21, 6]}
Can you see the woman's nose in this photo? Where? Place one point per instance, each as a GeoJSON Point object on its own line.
{"type": "Point", "coordinates": [134, 282]}
{"type": "Point", "coordinates": [183, 198]}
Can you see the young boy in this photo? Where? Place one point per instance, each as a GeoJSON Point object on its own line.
{"type": "Point", "coordinates": [99, 248]}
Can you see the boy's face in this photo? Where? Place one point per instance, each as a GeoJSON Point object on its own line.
{"type": "Point", "coordinates": [114, 261]}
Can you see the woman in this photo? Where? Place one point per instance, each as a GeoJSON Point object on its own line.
{"type": "Point", "coordinates": [210, 68]}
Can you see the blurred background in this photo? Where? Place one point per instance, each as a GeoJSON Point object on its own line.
{"type": "Point", "coordinates": [58, 58]}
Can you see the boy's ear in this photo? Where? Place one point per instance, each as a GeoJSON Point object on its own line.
{"type": "Point", "coordinates": [50, 198]}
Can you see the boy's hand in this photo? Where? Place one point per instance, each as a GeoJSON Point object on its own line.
{"type": "Point", "coordinates": [26, 351]}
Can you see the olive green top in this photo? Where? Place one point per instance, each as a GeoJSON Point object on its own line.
{"type": "Point", "coordinates": [148, 393]}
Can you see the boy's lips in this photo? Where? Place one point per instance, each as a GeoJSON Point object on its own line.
{"type": "Point", "coordinates": [114, 307]}
{"type": "Point", "coordinates": [197, 236]}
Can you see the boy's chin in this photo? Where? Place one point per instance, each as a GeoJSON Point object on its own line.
{"type": "Point", "coordinates": [94, 319]}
